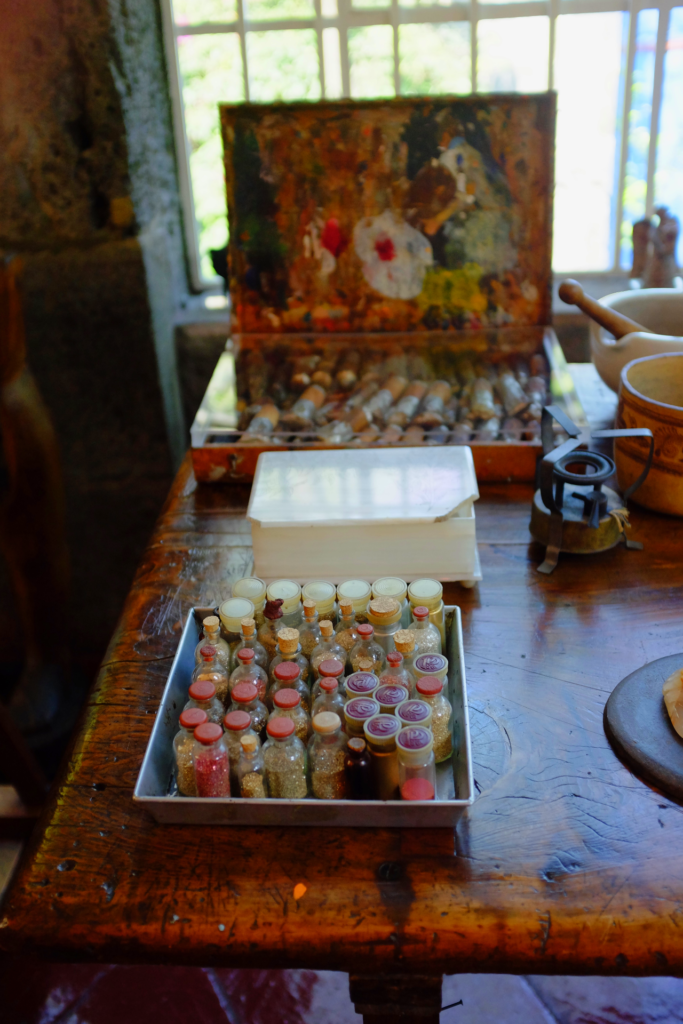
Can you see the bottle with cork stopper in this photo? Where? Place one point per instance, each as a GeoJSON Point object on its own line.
{"type": "Point", "coordinates": [272, 624]}
{"type": "Point", "coordinates": [287, 704]}
{"type": "Point", "coordinates": [404, 641]}
{"type": "Point", "coordinates": [309, 631]}
{"type": "Point", "coordinates": [331, 668]}
{"type": "Point", "coordinates": [393, 586]}
{"type": "Point", "coordinates": [211, 670]}
{"type": "Point", "coordinates": [237, 724]}
{"type": "Point", "coordinates": [346, 629]}
{"type": "Point", "coordinates": [202, 695]}
{"type": "Point", "coordinates": [245, 698]}
{"type": "Point", "coordinates": [248, 671]}
{"type": "Point", "coordinates": [212, 636]}
{"type": "Point", "coordinates": [367, 655]}
{"type": "Point", "coordinates": [248, 639]}
{"type": "Point", "coordinates": [329, 698]}
{"type": "Point", "coordinates": [287, 675]}
{"type": "Point", "coordinates": [211, 761]}
{"type": "Point", "coordinates": [284, 757]}
{"type": "Point", "coordinates": [431, 691]}
{"type": "Point", "coordinates": [358, 768]}
{"type": "Point", "coordinates": [326, 648]}
{"type": "Point", "coordinates": [289, 649]}
{"type": "Point", "coordinates": [251, 770]}
{"type": "Point", "coordinates": [427, 636]}
{"type": "Point", "coordinates": [395, 673]}
{"type": "Point", "coordinates": [326, 753]}
{"type": "Point", "coordinates": [183, 750]}
{"type": "Point", "coordinates": [384, 614]}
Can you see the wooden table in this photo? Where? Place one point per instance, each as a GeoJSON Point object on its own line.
{"type": "Point", "coordinates": [566, 863]}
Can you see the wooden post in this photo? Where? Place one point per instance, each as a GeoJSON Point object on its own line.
{"type": "Point", "coordinates": [382, 998]}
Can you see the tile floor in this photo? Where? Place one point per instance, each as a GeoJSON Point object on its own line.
{"type": "Point", "coordinates": [39, 993]}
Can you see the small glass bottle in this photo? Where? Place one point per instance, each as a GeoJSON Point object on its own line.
{"type": "Point", "coordinates": [254, 590]}
{"type": "Point", "coordinates": [248, 671]}
{"type": "Point", "coordinates": [395, 674]}
{"type": "Point", "coordinates": [384, 614]}
{"type": "Point", "coordinates": [324, 594]}
{"type": "Point", "coordinates": [358, 769]}
{"type": "Point", "coordinates": [251, 770]}
{"type": "Point", "coordinates": [427, 636]}
{"type": "Point", "coordinates": [357, 712]}
{"type": "Point", "coordinates": [284, 757]}
{"type": "Point", "coordinates": [346, 629]}
{"type": "Point", "coordinates": [231, 613]}
{"type": "Point", "coordinates": [237, 724]}
{"type": "Point", "coordinates": [212, 635]}
{"type": "Point", "coordinates": [329, 698]}
{"type": "Point", "coordinates": [183, 750]}
{"type": "Point", "coordinates": [405, 644]}
{"type": "Point", "coordinates": [431, 665]}
{"type": "Point", "coordinates": [211, 670]}
{"type": "Point", "coordinates": [430, 594]}
{"type": "Point", "coordinates": [211, 761]}
{"type": "Point", "coordinates": [414, 712]}
{"type": "Point", "coordinates": [289, 649]}
{"type": "Point", "coordinates": [245, 698]}
{"type": "Point", "coordinates": [326, 755]}
{"type": "Point", "coordinates": [331, 668]}
{"type": "Point", "coordinates": [366, 655]}
{"type": "Point", "coordinates": [380, 736]}
{"type": "Point", "coordinates": [327, 648]}
{"type": "Point", "coordinates": [416, 764]}
{"type": "Point", "coordinates": [289, 593]}
{"type": "Point", "coordinates": [361, 684]}
{"type": "Point", "coordinates": [248, 635]}
{"type": "Point", "coordinates": [287, 675]}
{"type": "Point", "coordinates": [203, 695]}
{"type": "Point", "coordinates": [272, 624]}
{"type": "Point", "coordinates": [389, 697]}
{"type": "Point", "coordinates": [359, 592]}
{"type": "Point", "coordinates": [287, 704]}
{"type": "Point", "coordinates": [309, 631]}
{"type": "Point", "coordinates": [430, 689]}
{"type": "Point", "coordinates": [392, 586]}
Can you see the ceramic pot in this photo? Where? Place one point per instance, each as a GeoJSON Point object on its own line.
{"type": "Point", "coordinates": [658, 309]}
{"type": "Point", "coordinates": [651, 395]}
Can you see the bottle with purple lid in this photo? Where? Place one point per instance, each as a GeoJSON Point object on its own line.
{"type": "Point", "coordinates": [389, 697]}
{"type": "Point", "coordinates": [357, 711]}
{"type": "Point", "coordinates": [414, 712]}
{"type": "Point", "coordinates": [361, 684]}
{"type": "Point", "coordinates": [431, 665]}
{"type": "Point", "coordinates": [416, 764]}
{"type": "Point", "coordinates": [380, 735]}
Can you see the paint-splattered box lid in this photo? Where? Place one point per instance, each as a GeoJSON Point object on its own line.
{"type": "Point", "coordinates": [390, 215]}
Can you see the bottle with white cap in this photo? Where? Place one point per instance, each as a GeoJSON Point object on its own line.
{"type": "Point", "coordinates": [359, 593]}
{"type": "Point", "coordinates": [393, 586]}
{"type": "Point", "coordinates": [231, 614]}
{"type": "Point", "coordinates": [254, 589]}
{"type": "Point", "coordinates": [324, 594]}
{"type": "Point", "coordinates": [289, 593]}
{"type": "Point", "coordinates": [212, 635]}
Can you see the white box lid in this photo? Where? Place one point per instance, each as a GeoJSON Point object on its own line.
{"type": "Point", "coordinates": [362, 486]}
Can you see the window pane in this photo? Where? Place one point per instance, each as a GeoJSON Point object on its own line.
{"type": "Point", "coordinates": [435, 58]}
{"type": "Point", "coordinates": [328, 8]}
{"type": "Point", "coordinates": [283, 65]}
{"type": "Point", "coordinates": [587, 149]}
{"type": "Point", "coordinates": [430, 3]}
{"type": "Point", "coordinates": [194, 12]}
{"type": "Point", "coordinates": [365, 4]}
{"type": "Point", "coordinates": [211, 69]}
{"type": "Point", "coordinates": [371, 59]}
{"type": "Point", "coordinates": [669, 176]}
{"type": "Point", "coordinates": [274, 10]}
{"type": "Point", "coordinates": [635, 181]}
{"type": "Point", "coordinates": [512, 54]}
{"type": "Point", "coordinates": [332, 59]}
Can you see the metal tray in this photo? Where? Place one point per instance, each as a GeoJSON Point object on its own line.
{"type": "Point", "coordinates": [455, 786]}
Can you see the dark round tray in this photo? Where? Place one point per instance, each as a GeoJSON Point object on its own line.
{"type": "Point", "coordinates": [638, 726]}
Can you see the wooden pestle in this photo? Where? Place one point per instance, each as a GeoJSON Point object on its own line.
{"type": "Point", "coordinates": [617, 324]}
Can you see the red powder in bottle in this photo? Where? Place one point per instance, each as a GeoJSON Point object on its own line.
{"type": "Point", "coordinates": [384, 248]}
{"type": "Point", "coordinates": [212, 772]}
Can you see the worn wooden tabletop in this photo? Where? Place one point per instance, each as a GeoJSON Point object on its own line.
{"type": "Point", "coordinates": [566, 863]}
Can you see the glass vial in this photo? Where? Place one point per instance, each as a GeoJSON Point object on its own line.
{"type": "Point", "coordinates": [357, 712]}
{"type": "Point", "coordinates": [272, 624]}
{"type": "Point", "coordinates": [231, 614]}
{"type": "Point", "coordinates": [212, 636]}
{"type": "Point", "coordinates": [254, 590]}
{"type": "Point", "coordinates": [329, 698]}
{"type": "Point", "coordinates": [203, 695]}
{"type": "Point", "coordinates": [359, 593]}
{"type": "Point", "coordinates": [326, 754]}
{"type": "Point", "coordinates": [237, 724]}
{"type": "Point", "coordinates": [309, 630]}
{"type": "Point", "coordinates": [392, 586]}
{"type": "Point", "coordinates": [324, 595]}
{"type": "Point", "coordinates": [361, 684]}
{"type": "Point", "coordinates": [431, 665]}
{"type": "Point", "coordinates": [287, 675]}
{"type": "Point", "coordinates": [380, 736]}
{"type": "Point", "coordinates": [245, 698]}
{"type": "Point", "coordinates": [367, 655]}
{"type": "Point", "coordinates": [414, 712]}
{"type": "Point", "coordinates": [416, 764]}
{"type": "Point", "coordinates": [346, 631]}
{"type": "Point", "coordinates": [384, 614]}
{"type": "Point", "coordinates": [427, 636]}
{"type": "Point", "coordinates": [211, 670]}
{"type": "Point", "coordinates": [289, 649]}
{"type": "Point", "coordinates": [430, 594]}
{"type": "Point", "coordinates": [248, 639]}
{"type": "Point", "coordinates": [358, 768]}
{"type": "Point", "coordinates": [251, 770]}
{"type": "Point", "coordinates": [289, 593]}
{"type": "Point", "coordinates": [389, 697]}
{"type": "Point", "coordinates": [284, 757]}
{"type": "Point", "coordinates": [183, 750]}
{"type": "Point", "coordinates": [247, 671]}
{"type": "Point", "coordinates": [331, 668]}
{"type": "Point", "coordinates": [211, 761]}
{"type": "Point", "coordinates": [287, 704]}
{"type": "Point", "coordinates": [326, 648]}
{"type": "Point", "coordinates": [431, 690]}
{"type": "Point", "coordinates": [395, 674]}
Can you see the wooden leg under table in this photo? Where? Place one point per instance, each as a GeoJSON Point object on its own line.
{"type": "Point", "coordinates": [384, 998]}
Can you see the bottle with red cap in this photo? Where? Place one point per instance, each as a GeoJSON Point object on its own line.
{"type": "Point", "coordinates": [289, 649]}
{"type": "Point", "coordinates": [210, 669]}
{"type": "Point", "coordinates": [183, 750]}
{"type": "Point", "coordinates": [245, 698]}
{"type": "Point", "coordinates": [203, 695]}
{"type": "Point", "coordinates": [287, 676]}
{"type": "Point", "coordinates": [272, 624]}
{"type": "Point", "coordinates": [329, 698]}
{"type": "Point", "coordinates": [427, 636]}
{"type": "Point", "coordinates": [287, 704]}
{"type": "Point", "coordinates": [237, 724]}
{"type": "Point", "coordinates": [211, 627]}
{"type": "Point", "coordinates": [395, 673]}
{"type": "Point", "coordinates": [367, 655]}
{"type": "Point", "coordinates": [328, 647]}
{"type": "Point", "coordinates": [430, 690]}
{"type": "Point", "coordinates": [248, 671]}
{"type": "Point", "coordinates": [326, 754]}
{"type": "Point", "coordinates": [416, 764]}
{"type": "Point", "coordinates": [284, 756]}
{"type": "Point", "coordinates": [331, 668]}
{"type": "Point", "coordinates": [211, 761]}
{"type": "Point", "coordinates": [248, 639]}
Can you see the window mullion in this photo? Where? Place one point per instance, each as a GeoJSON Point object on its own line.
{"type": "Point", "coordinates": [625, 119]}
{"type": "Point", "coordinates": [473, 41]}
{"type": "Point", "coordinates": [319, 39]}
{"type": "Point", "coordinates": [243, 48]}
{"type": "Point", "coordinates": [343, 8]}
{"type": "Point", "coordinates": [662, 34]}
{"type": "Point", "coordinates": [394, 28]}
